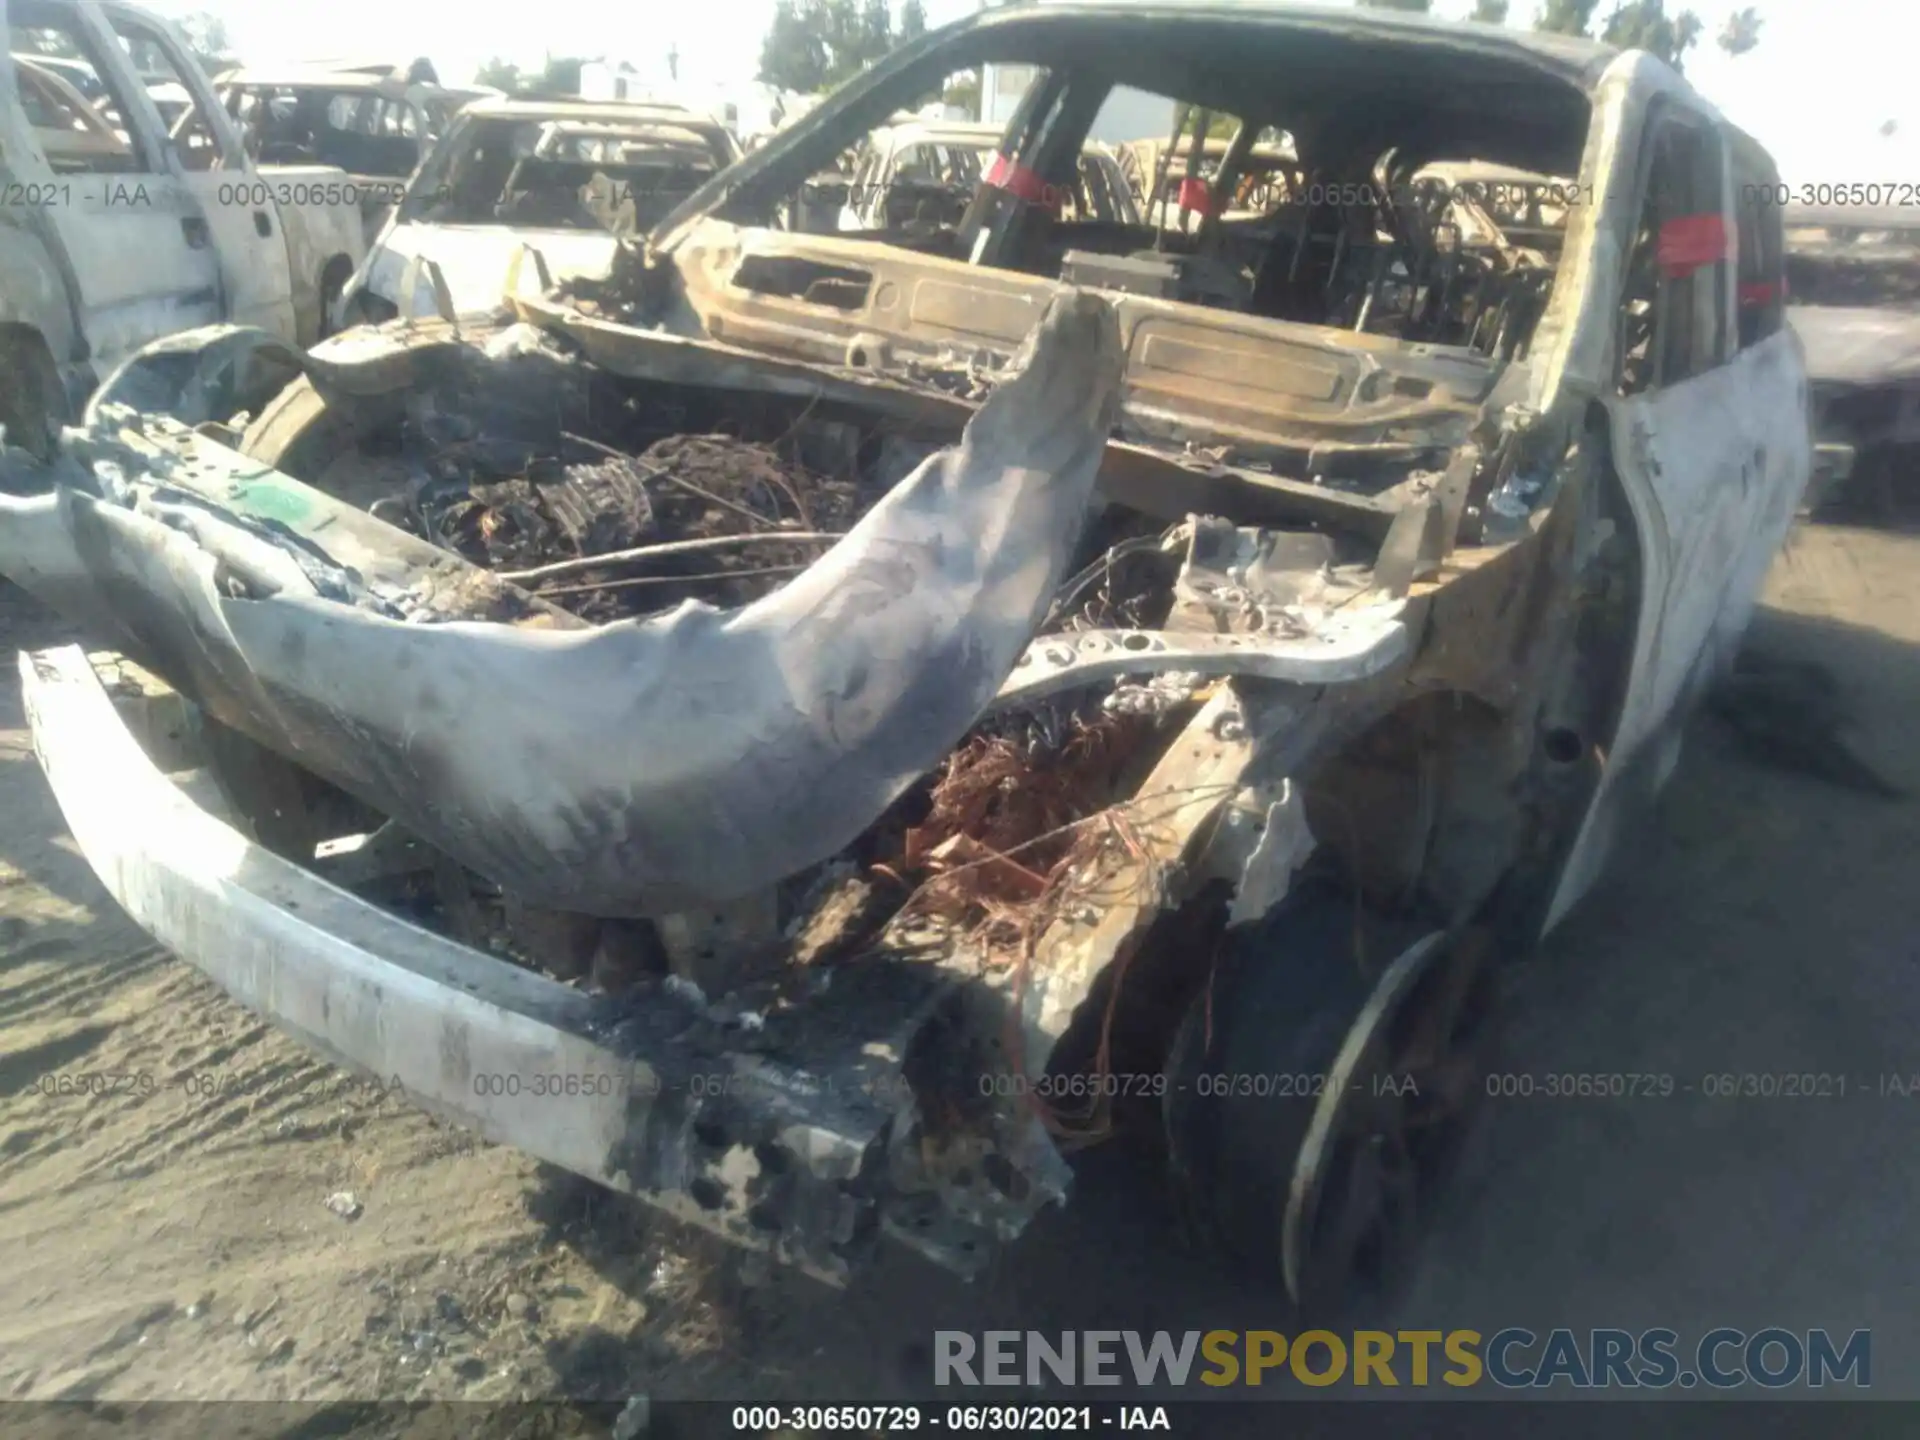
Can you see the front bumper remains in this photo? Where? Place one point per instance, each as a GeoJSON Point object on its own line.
{"type": "Point", "coordinates": [774, 1137]}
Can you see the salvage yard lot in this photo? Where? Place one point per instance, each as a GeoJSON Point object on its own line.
{"type": "Point", "coordinates": [173, 1238]}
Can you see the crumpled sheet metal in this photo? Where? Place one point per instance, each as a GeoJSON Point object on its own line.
{"type": "Point", "coordinates": [1261, 841]}
{"type": "Point", "coordinates": [212, 373]}
{"type": "Point", "coordinates": [650, 766]}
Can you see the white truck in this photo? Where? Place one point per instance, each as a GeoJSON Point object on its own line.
{"type": "Point", "coordinates": [117, 229]}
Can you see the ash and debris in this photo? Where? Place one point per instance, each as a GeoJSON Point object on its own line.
{"type": "Point", "coordinates": [839, 911]}
{"type": "Point", "coordinates": [531, 472]}
{"type": "Point", "coordinates": [986, 846]}
{"type": "Point", "coordinates": [505, 507]}
{"type": "Point", "coordinates": [1128, 583]}
{"type": "Point", "coordinates": [968, 376]}
{"type": "Point", "coordinates": [1006, 817]}
{"type": "Point", "coordinates": [1156, 696]}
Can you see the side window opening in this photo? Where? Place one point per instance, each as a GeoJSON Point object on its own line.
{"type": "Point", "coordinates": [1674, 323]}
{"type": "Point", "coordinates": [596, 176]}
{"type": "Point", "coordinates": [1383, 233]}
{"type": "Point", "coordinates": [926, 175]}
{"type": "Point", "coordinates": [1369, 233]}
{"type": "Point", "coordinates": [1436, 221]}
{"type": "Point", "coordinates": [1181, 176]}
{"type": "Point", "coordinates": [174, 96]}
{"type": "Point", "coordinates": [1306, 204]}
{"type": "Point", "coordinates": [73, 103]}
{"type": "Point", "coordinates": [281, 125]}
{"type": "Point", "coordinates": [367, 134]}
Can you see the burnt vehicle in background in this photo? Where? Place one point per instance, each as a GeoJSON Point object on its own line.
{"type": "Point", "coordinates": [924, 172]}
{"type": "Point", "coordinates": [810, 729]}
{"type": "Point", "coordinates": [1266, 170]}
{"type": "Point", "coordinates": [117, 235]}
{"type": "Point", "coordinates": [536, 188]}
{"type": "Point", "coordinates": [1853, 297]}
{"type": "Point", "coordinates": [375, 124]}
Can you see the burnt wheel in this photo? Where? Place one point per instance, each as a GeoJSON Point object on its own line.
{"type": "Point", "coordinates": [1319, 1091]}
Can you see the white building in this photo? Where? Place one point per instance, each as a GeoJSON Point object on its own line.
{"type": "Point", "coordinates": [1127, 115]}
{"type": "Point", "coordinates": [743, 109]}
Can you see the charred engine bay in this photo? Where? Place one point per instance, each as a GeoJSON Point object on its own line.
{"type": "Point", "coordinates": [616, 500]}
{"type": "Point", "coordinates": [678, 495]}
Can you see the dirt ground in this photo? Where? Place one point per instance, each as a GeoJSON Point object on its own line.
{"type": "Point", "coordinates": [173, 1238]}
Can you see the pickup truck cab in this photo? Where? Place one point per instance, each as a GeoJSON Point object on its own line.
{"type": "Point", "coordinates": [375, 126]}
{"type": "Point", "coordinates": [564, 179]}
{"type": "Point", "coordinates": [115, 232]}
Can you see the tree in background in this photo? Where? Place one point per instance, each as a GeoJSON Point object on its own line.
{"type": "Point", "coordinates": [814, 45]}
{"type": "Point", "coordinates": [498, 74]}
{"type": "Point", "coordinates": [205, 34]}
{"type": "Point", "coordinates": [1645, 25]}
{"type": "Point", "coordinates": [794, 54]}
{"type": "Point", "coordinates": [206, 37]}
{"type": "Point", "coordinates": [556, 80]}
{"type": "Point", "coordinates": [1741, 32]}
{"type": "Point", "coordinates": [963, 93]}
{"type": "Point", "coordinates": [876, 29]}
{"type": "Point", "coordinates": [851, 43]}
{"type": "Point", "coordinates": [1489, 12]}
{"type": "Point", "coordinates": [559, 79]}
{"type": "Point", "coordinates": [1565, 17]}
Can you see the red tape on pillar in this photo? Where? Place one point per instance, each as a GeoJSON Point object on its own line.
{"type": "Point", "coordinates": [1196, 196]}
{"type": "Point", "coordinates": [1759, 292]}
{"type": "Point", "coordinates": [1018, 181]}
{"type": "Point", "coordinates": [1688, 242]}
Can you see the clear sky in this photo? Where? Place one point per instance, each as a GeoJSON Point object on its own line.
{"type": "Point", "coordinates": [1826, 76]}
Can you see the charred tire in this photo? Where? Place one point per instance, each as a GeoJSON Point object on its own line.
{"type": "Point", "coordinates": [1283, 1149]}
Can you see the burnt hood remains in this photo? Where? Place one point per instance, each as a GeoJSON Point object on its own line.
{"type": "Point", "coordinates": [651, 765]}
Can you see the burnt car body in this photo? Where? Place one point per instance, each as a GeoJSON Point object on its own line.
{"type": "Point", "coordinates": [1194, 667]}
{"type": "Point", "coordinates": [374, 124]}
{"type": "Point", "coordinates": [926, 171]}
{"type": "Point", "coordinates": [1265, 171]}
{"type": "Point", "coordinates": [1853, 288]}
{"type": "Point", "coordinates": [560, 178]}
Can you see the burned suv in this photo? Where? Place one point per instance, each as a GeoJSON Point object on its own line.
{"type": "Point", "coordinates": [558, 179]}
{"type": "Point", "coordinates": [811, 729]}
{"type": "Point", "coordinates": [1853, 289]}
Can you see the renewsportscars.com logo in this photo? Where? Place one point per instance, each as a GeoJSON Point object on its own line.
{"type": "Point", "coordinates": [1510, 1359]}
